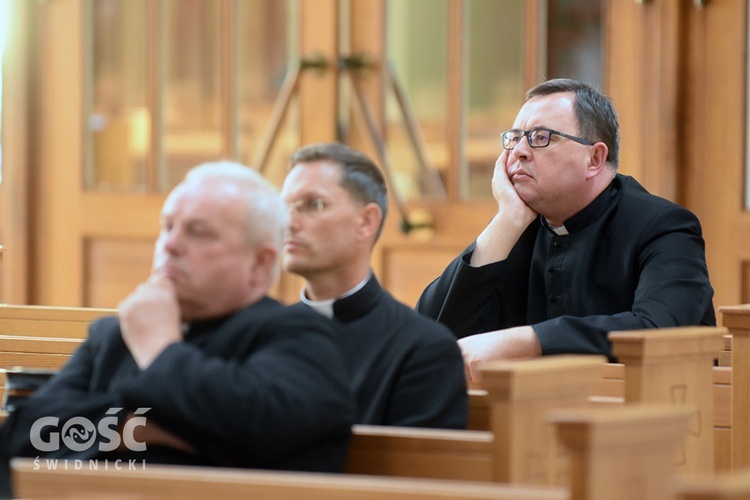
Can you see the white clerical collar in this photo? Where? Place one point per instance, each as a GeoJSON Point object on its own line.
{"type": "Point", "coordinates": [325, 307]}
{"type": "Point", "coordinates": [558, 230]}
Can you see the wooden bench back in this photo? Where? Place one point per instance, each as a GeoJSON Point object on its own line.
{"type": "Point", "coordinates": [425, 453]}
{"type": "Point", "coordinates": [666, 366]}
{"type": "Point", "coordinates": [616, 453]}
{"type": "Point", "coordinates": [675, 366]}
{"type": "Point", "coordinates": [520, 449]}
{"type": "Point", "coordinates": [36, 352]}
{"type": "Point", "coordinates": [521, 394]}
{"type": "Point", "coordinates": [47, 321]}
{"type": "Point", "coordinates": [621, 452]}
{"type": "Point", "coordinates": [40, 336]}
{"type": "Point", "coordinates": [31, 353]}
{"type": "Point", "coordinates": [737, 320]}
{"type": "Point", "coordinates": [170, 482]}
{"type": "Point", "coordinates": [726, 486]}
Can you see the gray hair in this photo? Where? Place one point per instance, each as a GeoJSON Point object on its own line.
{"type": "Point", "coordinates": [267, 216]}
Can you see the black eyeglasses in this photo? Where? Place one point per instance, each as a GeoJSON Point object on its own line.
{"type": "Point", "coordinates": [537, 138]}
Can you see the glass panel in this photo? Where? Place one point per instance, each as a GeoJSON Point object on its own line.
{"type": "Point", "coordinates": [417, 49]}
{"type": "Point", "coordinates": [417, 53]}
{"type": "Point", "coordinates": [495, 90]}
{"type": "Point", "coordinates": [574, 43]}
{"type": "Point", "coordinates": [264, 49]}
{"type": "Point", "coordinates": [117, 141]}
{"type": "Point", "coordinates": [192, 91]}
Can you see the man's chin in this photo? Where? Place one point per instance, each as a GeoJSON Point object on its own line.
{"type": "Point", "coordinates": [294, 267]}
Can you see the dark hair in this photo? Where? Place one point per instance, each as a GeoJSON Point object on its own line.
{"type": "Point", "coordinates": [595, 112]}
{"type": "Point", "coordinates": [360, 176]}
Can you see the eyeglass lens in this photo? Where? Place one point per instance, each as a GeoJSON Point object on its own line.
{"type": "Point", "coordinates": [536, 138]}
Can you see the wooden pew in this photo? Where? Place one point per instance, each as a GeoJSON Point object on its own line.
{"type": "Point", "coordinates": [723, 418]}
{"type": "Point", "coordinates": [170, 482]}
{"type": "Point", "coordinates": [36, 352]}
{"type": "Point", "coordinates": [536, 464]}
{"type": "Point", "coordinates": [48, 321]}
{"type": "Point", "coordinates": [617, 453]}
{"type": "Point", "coordinates": [612, 389]}
{"type": "Point", "coordinates": [624, 452]}
{"type": "Point", "coordinates": [675, 366]}
{"type": "Point", "coordinates": [725, 486]}
{"type": "Point", "coordinates": [521, 447]}
{"type": "Point", "coordinates": [514, 382]}
{"type": "Point", "coordinates": [41, 336]}
{"type": "Point", "coordinates": [423, 453]}
{"type": "Point", "coordinates": [523, 391]}
{"type": "Point", "coordinates": [737, 320]}
{"type": "Point", "coordinates": [672, 366]}
{"type": "Point", "coordinates": [24, 354]}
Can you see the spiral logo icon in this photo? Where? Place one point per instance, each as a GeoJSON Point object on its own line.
{"type": "Point", "coordinates": [78, 434]}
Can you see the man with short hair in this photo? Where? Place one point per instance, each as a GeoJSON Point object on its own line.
{"type": "Point", "coordinates": [215, 371]}
{"type": "Point", "coordinates": [575, 249]}
{"type": "Point", "coordinates": [407, 369]}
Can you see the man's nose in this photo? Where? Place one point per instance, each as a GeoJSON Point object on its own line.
{"type": "Point", "coordinates": [522, 150]}
{"type": "Point", "coordinates": [173, 241]}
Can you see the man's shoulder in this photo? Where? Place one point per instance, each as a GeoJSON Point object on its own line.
{"type": "Point", "coordinates": [638, 208]}
{"type": "Point", "coordinates": [408, 322]}
{"type": "Point", "coordinates": [636, 197]}
{"type": "Point", "coordinates": [302, 312]}
{"type": "Point", "coordinates": [295, 317]}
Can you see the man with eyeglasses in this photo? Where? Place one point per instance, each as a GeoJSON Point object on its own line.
{"type": "Point", "coordinates": [575, 250]}
{"type": "Point", "coordinates": [406, 369]}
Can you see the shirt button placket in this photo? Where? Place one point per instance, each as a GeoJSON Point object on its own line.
{"type": "Point", "coordinates": [554, 278]}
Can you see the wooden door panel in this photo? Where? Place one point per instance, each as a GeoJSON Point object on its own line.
{"type": "Point", "coordinates": [113, 267]}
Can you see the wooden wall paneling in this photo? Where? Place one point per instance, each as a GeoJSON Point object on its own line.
{"type": "Point", "coordinates": [18, 118]}
{"type": "Point", "coordinates": [625, 33]}
{"type": "Point", "coordinates": [229, 91]}
{"type": "Point", "coordinates": [57, 262]}
{"type": "Point", "coordinates": [535, 42]}
{"type": "Point", "coordinates": [118, 234]}
{"type": "Point", "coordinates": [319, 36]}
{"type": "Point", "coordinates": [676, 72]}
{"type": "Point", "coordinates": [409, 269]}
{"type": "Point", "coordinates": [714, 138]}
{"type": "Point", "coordinates": [693, 117]}
{"type": "Point", "coordinates": [662, 169]}
{"type": "Point", "coordinates": [367, 38]}
{"type": "Point", "coordinates": [113, 268]}
{"type": "Point", "coordinates": [411, 262]}
{"type": "Point", "coordinates": [133, 215]}
{"type": "Point", "coordinates": [643, 72]}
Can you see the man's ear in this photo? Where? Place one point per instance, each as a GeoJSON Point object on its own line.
{"type": "Point", "coordinates": [263, 267]}
{"type": "Point", "coordinates": [597, 159]}
{"type": "Point", "coordinates": [370, 219]}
